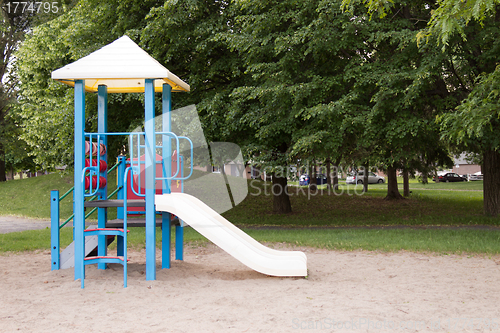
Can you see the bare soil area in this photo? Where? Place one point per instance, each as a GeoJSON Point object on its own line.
{"type": "Point", "coordinates": [212, 292]}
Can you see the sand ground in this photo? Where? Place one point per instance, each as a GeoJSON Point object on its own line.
{"type": "Point", "coordinates": [212, 292]}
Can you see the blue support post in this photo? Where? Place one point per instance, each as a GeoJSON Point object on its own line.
{"type": "Point", "coordinates": [120, 173]}
{"type": "Point", "coordinates": [102, 127]}
{"type": "Point", "coordinates": [179, 230]}
{"type": "Point", "coordinates": [79, 211]}
{"type": "Point", "coordinates": [150, 170]}
{"type": "Point", "coordinates": [54, 229]}
{"type": "Point", "coordinates": [179, 242]}
{"type": "Point", "coordinates": [166, 240]}
{"type": "Point", "coordinates": [167, 172]}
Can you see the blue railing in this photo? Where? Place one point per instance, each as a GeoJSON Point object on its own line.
{"type": "Point", "coordinates": [93, 171]}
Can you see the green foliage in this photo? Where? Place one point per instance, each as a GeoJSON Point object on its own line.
{"type": "Point", "coordinates": [475, 125]}
{"type": "Point", "coordinates": [183, 35]}
{"type": "Point", "coordinates": [46, 106]}
{"type": "Point", "coordinates": [295, 64]}
{"type": "Point", "coordinates": [379, 6]}
{"type": "Point", "coordinates": [287, 80]}
{"type": "Point", "coordinates": [450, 17]}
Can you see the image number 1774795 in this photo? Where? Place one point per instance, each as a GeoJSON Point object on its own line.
{"type": "Point", "coordinates": [32, 7]}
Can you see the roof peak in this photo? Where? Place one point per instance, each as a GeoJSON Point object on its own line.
{"type": "Point", "coordinates": [122, 66]}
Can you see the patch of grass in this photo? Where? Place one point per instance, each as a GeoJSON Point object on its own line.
{"type": "Point", "coordinates": [428, 204]}
{"type": "Point", "coordinates": [352, 208]}
{"type": "Point", "coordinates": [31, 240]}
{"type": "Point", "coordinates": [466, 186]}
{"type": "Point", "coordinates": [442, 204]}
{"type": "Point", "coordinates": [30, 197]}
{"type": "Point", "coordinates": [441, 241]}
{"type": "Point", "coordinates": [393, 240]}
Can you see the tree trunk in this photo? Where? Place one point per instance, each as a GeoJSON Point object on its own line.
{"type": "Point", "coordinates": [336, 174]}
{"type": "Point", "coordinates": [436, 176]}
{"type": "Point", "coordinates": [392, 185]}
{"type": "Point", "coordinates": [335, 179]}
{"type": "Point", "coordinates": [365, 177]}
{"type": "Point", "coordinates": [491, 182]}
{"type": "Point", "coordinates": [328, 175]}
{"type": "Point", "coordinates": [406, 183]}
{"type": "Point", "coordinates": [425, 177]}
{"type": "Point", "coordinates": [313, 174]}
{"type": "Point", "coordinates": [281, 200]}
{"type": "Point", "coordinates": [3, 178]}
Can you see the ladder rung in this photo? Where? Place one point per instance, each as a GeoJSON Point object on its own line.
{"type": "Point", "coordinates": [115, 203]}
{"type": "Point", "coordinates": [105, 257]}
{"type": "Point", "coordinates": [110, 229]}
{"type": "Point", "coordinates": [105, 260]}
{"type": "Point", "coordinates": [105, 232]}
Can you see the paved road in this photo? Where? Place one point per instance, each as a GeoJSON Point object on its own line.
{"type": "Point", "coordinates": [12, 224]}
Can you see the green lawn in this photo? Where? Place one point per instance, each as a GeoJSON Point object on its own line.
{"type": "Point", "coordinates": [30, 197]}
{"type": "Point", "coordinates": [393, 240]}
{"type": "Point", "coordinates": [352, 208]}
{"type": "Point", "coordinates": [338, 221]}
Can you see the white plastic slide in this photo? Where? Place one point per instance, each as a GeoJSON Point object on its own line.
{"type": "Point", "coordinates": [231, 239]}
{"type": "Point", "coordinates": [67, 257]}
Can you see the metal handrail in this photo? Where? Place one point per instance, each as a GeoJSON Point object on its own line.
{"type": "Point", "coordinates": [139, 146]}
{"type": "Point", "coordinates": [73, 188]}
{"type": "Point", "coordinates": [134, 171]}
{"type": "Point", "coordinates": [93, 210]}
{"type": "Point", "coordinates": [66, 194]}
{"type": "Point", "coordinates": [91, 169]}
{"type": "Point", "coordinates": [95, 196]}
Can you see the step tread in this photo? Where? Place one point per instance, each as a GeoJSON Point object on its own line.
{"type": "Point", "coordinates": [115, 203]}
{"type": "Point", "coordinates": [105, 257]}
{"type": "Point", "coordinates": [136, 222]}
{"type": "Point", "coordinates": [121, 258]}
{"type": "Point", "coordinates": [120, 230]}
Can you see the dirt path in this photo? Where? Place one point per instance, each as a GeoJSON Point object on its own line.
{"type": "Point", "coordinates": [12, 224]}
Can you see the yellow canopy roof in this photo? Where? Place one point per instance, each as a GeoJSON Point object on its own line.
{"type": "Point", "coordinates": [122, 66]}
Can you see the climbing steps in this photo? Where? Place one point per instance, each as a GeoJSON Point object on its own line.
{"type": "Point", "coordinates": [110, 259]}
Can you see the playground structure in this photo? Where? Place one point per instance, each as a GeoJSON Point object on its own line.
{"type": "Point", "coordinates": [147, 182]}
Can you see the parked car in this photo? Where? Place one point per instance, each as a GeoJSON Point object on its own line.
{"type": "Point", "coordinates": [450, 177]}
{"type": "Point", "coordinates": [476, 176]}
{"type": "Point", "coordinates": [358, 179]}
{"type": "Point", "coordinates": [305, 179]}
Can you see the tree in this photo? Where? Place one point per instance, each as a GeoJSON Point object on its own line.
{"type": "Point", "coordinates": [401, 89]}
{"type": "Point", "coordinates": [46, 106]}
{"type": "Point", "coordinates": [475, 127]}
{"type": "Point", "coordinates": [17, 20]}
{"type": "Point", "coordinates": [468, 31]}
{"type": "Point", "coordinates": [255, 68]}
{"type": "Point", "coordinates": [12, 29]}
{"type": "Point", "coordinates": [287, 91]}
{"type": "Point", "coordinates": [296, 54]}
{"type": "Point", "coordinates": [469, 126]}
